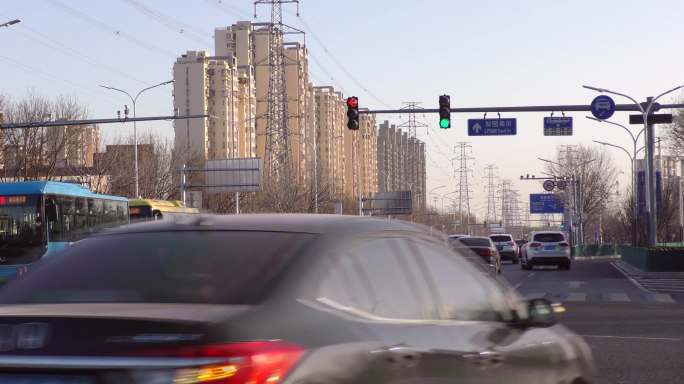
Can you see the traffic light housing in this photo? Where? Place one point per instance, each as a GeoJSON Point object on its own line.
{"type": "Point", "coordinates": [445, 111]}
{"type": "Point", "coordinates": [353, 113]}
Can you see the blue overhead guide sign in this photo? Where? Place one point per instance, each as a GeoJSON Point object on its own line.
{"type": "Point", "coordinates": [491, 127]}
{"type": "Point", "coordinates": [558, 126]}
{"type": "Point", "coordinates": [546, 203]}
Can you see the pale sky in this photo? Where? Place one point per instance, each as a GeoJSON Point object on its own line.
{"type": "Point", "coordinates": [484, 53]}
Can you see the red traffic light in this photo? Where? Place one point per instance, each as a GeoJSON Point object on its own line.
{"type": "Point", "coordinates": [352, 102]}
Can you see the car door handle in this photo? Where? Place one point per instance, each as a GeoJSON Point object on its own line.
{"type": "Point", "coordinates": [485, 359]}
{"type": "Point", "coordinates": [400, 354]}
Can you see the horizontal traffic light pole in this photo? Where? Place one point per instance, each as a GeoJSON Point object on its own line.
{"type": "Point", "coordinates": [530, 108]}
{"type": "Point", "coordinates": [61, 123]}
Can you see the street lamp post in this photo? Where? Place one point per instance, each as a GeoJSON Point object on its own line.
{"type": "Point", "coordinates": [10, 23]}
{"type": "Point", "coordinates": [632, 159]}
{"type": "Point", "coordinates": [434, 189]}
{"type": "Point", "coordinates": [135, 127]}
{"type": "Point", "coordinates": [576, 198]}
{"type": "Point", "coordinates": [646, 108]}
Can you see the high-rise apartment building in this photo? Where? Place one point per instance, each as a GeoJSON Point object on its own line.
{"type": "Point", "coordinates": [212, 85]}
{"type": "Point", "coordinates": [401, 163]}
{"type": "Point", "coordinates": [330, 120]}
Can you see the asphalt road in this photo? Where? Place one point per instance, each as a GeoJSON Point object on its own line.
{"type": "Point", "coordinates": [637, 336]}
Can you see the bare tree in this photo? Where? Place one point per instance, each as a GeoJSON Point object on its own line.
{"type": "Point", "coordinates": [596, 174]}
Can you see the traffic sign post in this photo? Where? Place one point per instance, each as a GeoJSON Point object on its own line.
{"type": "Point", "coordinates": [492, 127]}
{"type": "Point", "coordinates": [558, 126]}
{"type": "Point", "coordinates": [602, 107]}
{"type": "Point", "coordinates": [546, 203]}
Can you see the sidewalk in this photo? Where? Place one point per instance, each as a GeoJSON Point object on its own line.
{"type": "Point", "coordinates": [658, 282]}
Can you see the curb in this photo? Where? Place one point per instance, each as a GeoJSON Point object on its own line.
{"type": "Point", "coordinates": [639, 274]}
{"type": "Point", "coordinates": [607, 257]}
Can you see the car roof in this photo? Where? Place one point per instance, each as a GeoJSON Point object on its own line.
{"type": "Point", "coordinates": [477, 237]}
{"type": "Point", "coordinates": [501, 234]}
{"type": "Point", "coordinates": [293, 223]}
{"type": "Point", "coordinates": [544, 232]}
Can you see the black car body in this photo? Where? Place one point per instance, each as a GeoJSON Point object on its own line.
{"type": "Point", "coordinates": [276, 298]}
{"type": "Point", "coordinates": [480, 250]}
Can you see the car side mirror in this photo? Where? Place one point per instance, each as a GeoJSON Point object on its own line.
{"type": "Point", "coordinates": [541, 313]}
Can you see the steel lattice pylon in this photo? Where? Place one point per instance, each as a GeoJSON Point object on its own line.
{"type": "Point", "coordinates": [277, 161]}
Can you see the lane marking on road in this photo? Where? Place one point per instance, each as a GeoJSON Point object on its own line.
{"type": "Point", "coordinates": [575, 284]}
{"type": "Point", "coordinates": [530, 274]}
{"type": "Point", "coordinates": [621, 297]}
{"type": "Point", "coordinates": [662, 298]}
{"type": "Point", "coordinates": [625, 274]}
{"type": "Point", "coordinates": [517, 285]}
{"type": "Point", "coordinates": [633, 338]}
{"type": "Point", "coordinates": [576, 296]}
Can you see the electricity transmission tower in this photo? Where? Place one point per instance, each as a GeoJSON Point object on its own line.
{"type": "Point", "coordinates": [490, 189]}
{"type": "Point", "coordinates": [463, 156]}
{"type": "Point", "coordinates": [510, 211]}
{"type": "Point", "coordinates": [412, 124]}
{"type": "Point", "coordinates": [277, 157]}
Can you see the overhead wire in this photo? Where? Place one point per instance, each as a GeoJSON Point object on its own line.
{"type": "Point", "coordinates": [229, 10]}
{"type": "Point", "coordinates": [171, 23]}
{"type": "Point", "coordinates": [116, 32]}
{"type": "Point", "coordinates": [50, 76]}
{"type": "Point", "coordinates": [66, 50]}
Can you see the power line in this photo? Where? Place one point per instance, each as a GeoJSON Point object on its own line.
{"type": "Point", "coordinates": [171, 23]}
{"type": "Point", "coordinates": [490, 190]}
{"type": "Point", "coordinates": [229, 10]}
{"type": "Point", "coordinates": [64, 49]}
{"type": "Point", "coordinates": [35, 71]}
{"type": "Point", "coordinates": [105, 27]}
{"type": "Point", "coordinates": [339, 64]}
{"type": "Point", "coordinates": [463, 153]}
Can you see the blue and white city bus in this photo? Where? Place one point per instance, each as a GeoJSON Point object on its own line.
{"type": "Point", "coordinates": [40, 218]}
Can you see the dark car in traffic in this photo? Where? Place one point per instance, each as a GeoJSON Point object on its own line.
{"type": "Point", "coordinates": [480, 250]}
{"type": "Point", "coordinates": [276, 299]}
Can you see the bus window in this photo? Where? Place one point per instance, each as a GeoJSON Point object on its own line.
{"type": "Point", "coordinates": [81, 218]}
{"type": "Point", "coordinates": [109, 213]}
{"type": "Point", "coordinates": [122, 212]}
{"type": "Point", "coordinates": [54, 218]}
{"type": "Point", "coordinates": [67, 208]}
{"type": "Point", "coordinates": [21, 230]}
{"type": "Point", "coordinates": [95, 212]}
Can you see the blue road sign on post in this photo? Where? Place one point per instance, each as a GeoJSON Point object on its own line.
{"type": "Point", "coordinates": [492, 127]}
{"type": "Point", "coordinates": [602, 107]}
{"type": "Point", "coordinates": [546, 203]}
{"type": "Point", "coordinates": [558, 126]}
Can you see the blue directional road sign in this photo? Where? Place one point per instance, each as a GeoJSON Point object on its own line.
{"type": "Point", "coordinates": [558, 126]}
{"type": "Point", "coordinates": [546, 203]}
{"type": "Point", "coordinates": [602, 107]}
{"type": "Point", "coordinates": [492, 127]}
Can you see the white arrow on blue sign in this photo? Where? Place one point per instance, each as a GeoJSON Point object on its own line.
{"type": "Point", "coordinates": [492, 127]}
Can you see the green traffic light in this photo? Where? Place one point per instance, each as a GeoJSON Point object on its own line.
{"type": "Point", "coordinates": [444, 123]}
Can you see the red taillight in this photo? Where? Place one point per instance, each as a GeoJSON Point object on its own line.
{"type": "Point", "coordinates": [255, 362]}
{"type": "Point", "coordinates": [535, 245]}
{"type": "Point", "coordinates": [563, 245]}
{"type": "Point", "coordinates": [484, 252]}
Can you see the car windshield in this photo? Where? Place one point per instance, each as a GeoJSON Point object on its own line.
{"type": "Point", "coordinates": [549, 237]}
{"type": "Point", "coordinates": [476, 241]}
{"type": "Point", "coordinates": [162, 267]}
{"type": "Point", "coordinates": [500, 238]}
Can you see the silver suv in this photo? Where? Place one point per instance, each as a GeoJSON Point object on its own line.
{"type": "Point", "coordinates": [546, 248]}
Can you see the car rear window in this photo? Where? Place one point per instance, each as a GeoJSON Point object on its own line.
{"type": "Point", "coordinates": [203, 267]}
{"type": "Point", "coordinates": [475, 241]}
{"type": "Point", "coordinates": [500, 238]}
{"type": "Point", "coordinates": [549, 237]}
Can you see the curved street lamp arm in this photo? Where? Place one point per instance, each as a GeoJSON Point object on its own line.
{"type": "Point", "coordinates": [648, 107]}
{"type": "Point", "coordinates": [616, 146]}
{"type": "Point", "coordinates": [616, 124]}
{"type": "Point", "coordinates": [152, 86]}
{"type": "Point", "coordinates": [603, 90]}
{"type": "Point", "coordinates": [118, 90]}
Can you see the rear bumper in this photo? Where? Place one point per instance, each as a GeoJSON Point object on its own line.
{"type": "Point", "coordinates": [508, 255]}
{"type": "Point", "coordinates": [548, 260]}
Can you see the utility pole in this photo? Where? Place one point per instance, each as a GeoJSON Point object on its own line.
{"type": "Point", "coordinates": [277, 162]}
{"type": "Point", "coordinates": [463, 152]}
{"type": "Point", "coordinates": [490, 190]}
{"type": "Point", "coordinates": [412, 125]}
